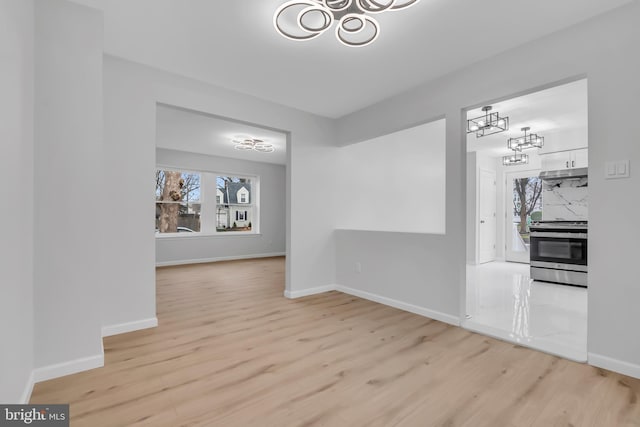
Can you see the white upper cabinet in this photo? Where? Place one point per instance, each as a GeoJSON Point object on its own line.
{"type": "Point", "coordinates": [580, 158]}
{"type": "Point", "coordinates": [565, 160]}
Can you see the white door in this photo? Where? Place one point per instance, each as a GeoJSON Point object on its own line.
{"type": "Point", "coordinates": [487, 216]}
{"type": "Point", "coordinates": [523, 204]}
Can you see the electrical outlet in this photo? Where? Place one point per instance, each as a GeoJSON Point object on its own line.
{"type": "Point", "coordinates": [358, 267]}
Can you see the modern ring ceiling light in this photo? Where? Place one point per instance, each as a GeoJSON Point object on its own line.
{"type": "Point", "coordinates": [525, 142]}
{"type": "Point", "coordinates": [488, 124]}
{"type": "Point", "coordinates": [307, 19]}
{"type": "Point", "coordinates": [246, 144]}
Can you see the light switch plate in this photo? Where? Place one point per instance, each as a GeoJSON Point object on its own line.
{"type": "Point", "coordinates": [617, 169]}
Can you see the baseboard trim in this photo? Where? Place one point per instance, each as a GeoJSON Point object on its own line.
{"type": "Point", "coordinates": [67, 368]}
{"type": "Point", "coordinates": [307, 292]}
{"type": "Point", "coordinates": [28, 389]}
{"type": "Point", "coordinates": [217, 259]}
{"type": "Point", "coordinates": [123, 328]}
{"type": "Point", "coordinates": [432, 314]}
{"type": "Point", "coordinates": [625, 368]}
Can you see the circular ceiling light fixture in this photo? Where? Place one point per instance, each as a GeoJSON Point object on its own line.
{"type": "Point", "coordinates": [246, 144]}
{"type": "Point", "coordinates": [301, 20]}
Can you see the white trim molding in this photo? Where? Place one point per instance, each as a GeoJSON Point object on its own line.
{"type": "Point", "coordinates": [67, 368]}
{"type": "Point", "coordinates": [123, 328]}
{"type": "Point", "coordinates": [310, 291]}
{"type": "Point", "coordinates": [431, 314]}
{"type": "Point", "coordinates": [615, 365]}
{"type": "Point", "coordinates": [28, 389]}
{"type": "Point", "coordinates": [421, 311]}
{"type": "Point", "coordinates": [217, 259]}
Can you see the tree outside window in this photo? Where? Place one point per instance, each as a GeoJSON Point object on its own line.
{"type": "Point", "coordinates": [527, 203]}
{"type": "Point", "coordinates": [178, 203]}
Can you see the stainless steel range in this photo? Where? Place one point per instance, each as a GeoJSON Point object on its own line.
{"type": "Point", "coordinates": [559, 252]}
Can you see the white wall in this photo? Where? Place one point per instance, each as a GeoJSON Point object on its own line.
{"type": "Point", "coordinates": [601, 49]}
{"type": "Point", "coordinates": [68, 183]}
{"type": "Point", "coordinates": [16, 192]}
{"type": "Point", "coordinates": [271, 240]}
{"type": "Point", "coordinates": [563, 140]}
{"type": "Point", "coordinates": [131, 94]}
{"type": "Point", "coordinates": [395, 182]}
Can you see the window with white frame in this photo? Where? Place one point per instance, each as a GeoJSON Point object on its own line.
{"type": "Point", "coordinates": [204, 203]}
{"type": "Point", "coordinates": [237, 210]}
{"type": "Point", "coordinates": [178, 201]}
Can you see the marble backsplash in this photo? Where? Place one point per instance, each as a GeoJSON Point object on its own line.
{"type": "Point", "coordinates": [565, 199]}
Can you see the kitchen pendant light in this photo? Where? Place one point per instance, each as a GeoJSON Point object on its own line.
{"type": "Point", "coordinates": [301, 20]}
{"type": "Point", "coordinates": [488, 124]}
{"type": "Point", "coordinates": [515, 159]}
{"type": "Point", "coordinates": [525, 142]}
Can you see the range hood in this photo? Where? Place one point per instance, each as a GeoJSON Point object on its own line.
{"type": "Point", "coordinates": [564, 173]}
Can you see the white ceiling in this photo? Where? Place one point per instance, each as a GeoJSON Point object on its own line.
{"type": "Point", "coordinates": [194, 132]}
{"type": "Point", "coordinates": [561, 109]}
{"type": "Point", "coordinates": [233, 44]}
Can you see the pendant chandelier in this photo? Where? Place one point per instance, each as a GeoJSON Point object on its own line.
{"type": "Point", "coordinates": [307, 19]}
{"type": "Point", "coordinates": [515, 159]}
{"type": "Point", "coordinates": [529, 140]}
{"type": "Point", "coordinates": [246, 144]}
{"type": "Point", "coordinates": [488, 124]}
{"type": "Point", "coordinates": [525, 142]}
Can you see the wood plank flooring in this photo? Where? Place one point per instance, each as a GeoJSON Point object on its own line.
{"type": "Point", "coordinates": [232, 351]}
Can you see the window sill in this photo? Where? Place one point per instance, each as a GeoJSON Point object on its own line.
{"type": "Point", "coordinates": [180, 236]}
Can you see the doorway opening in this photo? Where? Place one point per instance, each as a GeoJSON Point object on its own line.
{"type": "Point", "coordinates": [507, 200]}
{"type": "Point", "coordinates": [220, 188]}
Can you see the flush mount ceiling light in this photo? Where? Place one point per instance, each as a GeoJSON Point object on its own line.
{"type": "Point", "coordinates": [515, 159]}
{"type": "Point", "coordinates": [488, 124]}
{"type": "Point", "coordinates": [525, 142]}
{"type": "Point", "coordinates": [246, 144]}
{"type": "Point", "coordinates": [307, 19]}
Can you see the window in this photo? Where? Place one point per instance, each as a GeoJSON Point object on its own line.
{"type": "Point", "coordinates": [236, 210]}
{"type": "Point", "coordinates": [178, 201]}
{"type": "Point", "coordinates": [204, 202]}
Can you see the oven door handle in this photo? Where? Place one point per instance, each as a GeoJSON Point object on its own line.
{"type": "Point", "coordinates": [559, 235]}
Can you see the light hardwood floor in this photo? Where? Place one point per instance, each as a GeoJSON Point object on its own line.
{"type": "Point", "coordinates": [232, 351]}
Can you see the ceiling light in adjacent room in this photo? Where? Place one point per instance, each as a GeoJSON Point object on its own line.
{"type": "Point", "coordinates": [307, 19]}
{"type": "Point", "coordinates": [515, 159]}
{"type": "Point", "coordinates": [246, 144]}
{"type": "Point", "coordinates": [488, 124]}
{"type": "Point", "coordinates": [525, 142]}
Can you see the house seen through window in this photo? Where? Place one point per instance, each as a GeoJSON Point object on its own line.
{"type": "Point", "coordinates": [235, 212]}
{"type": "Point", "coordinates": [186, 203]}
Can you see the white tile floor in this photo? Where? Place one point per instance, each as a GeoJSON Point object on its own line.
{"type": "Point", "coordinates": [503, 301]}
